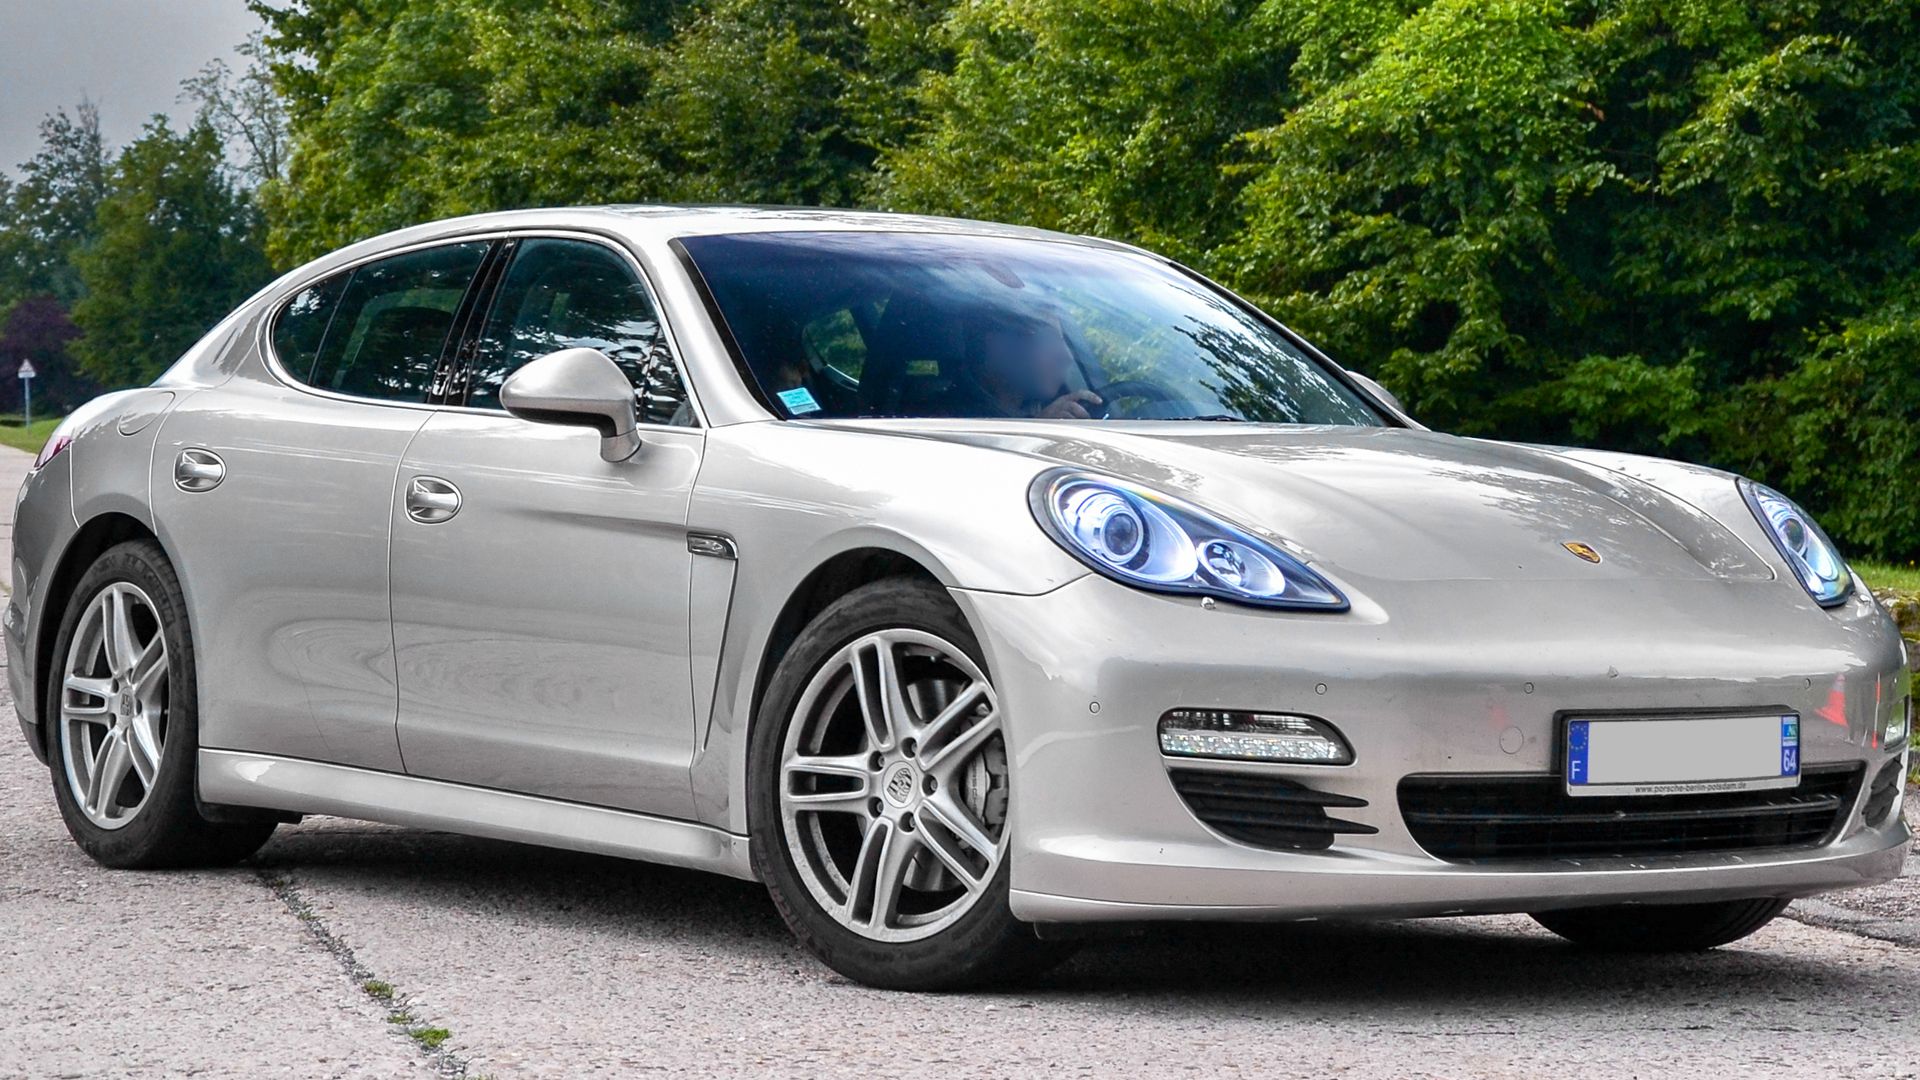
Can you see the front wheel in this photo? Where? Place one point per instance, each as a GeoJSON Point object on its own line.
{"type": "Point", "coordinates": [122, 710]}
{"type": "Point", "coordinates": [880, 797]}
{"type": "Point", "coordinates": [1655, 928]}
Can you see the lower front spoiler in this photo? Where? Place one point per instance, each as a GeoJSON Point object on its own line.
{"type": "Point", "coordinates": [1369, 885]}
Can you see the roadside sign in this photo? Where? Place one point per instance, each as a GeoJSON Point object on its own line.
{"type": "Point", "coordinates": [26, 387]}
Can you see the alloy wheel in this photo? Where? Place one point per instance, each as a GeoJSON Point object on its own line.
{"type": "Point", "coordinates": [113, 705]}
{"type": "Point", "coordinates": [893, 785]}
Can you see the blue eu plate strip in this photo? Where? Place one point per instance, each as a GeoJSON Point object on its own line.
{"type": "Point", "coordinates": [1790, 746]}
{"type": "Point", "coordinates": [1577, 752]}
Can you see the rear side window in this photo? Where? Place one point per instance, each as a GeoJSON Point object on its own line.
{"type": "Point", "coordinates": [302, 324]}
{"type": "Point", "coordinates": [562, 294]}
{"type": "Point", "coordinates": [379, 330]}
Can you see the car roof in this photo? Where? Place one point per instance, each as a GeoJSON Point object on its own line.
{"type": "Point", "coordinates": [659, 223]}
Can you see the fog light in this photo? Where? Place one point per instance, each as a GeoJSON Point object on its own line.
{"type": "Point", "coordinates": [1250, 736]}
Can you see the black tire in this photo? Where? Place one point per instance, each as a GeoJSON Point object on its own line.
{"type": "Point", "coordinates": [986, 945]}
{"type": "Point", "coordinates": [1662, 928]}
{"type": "Point", "coordinates": [167, 830]}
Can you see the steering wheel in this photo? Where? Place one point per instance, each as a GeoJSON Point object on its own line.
{"type": "Point", "coordinates": [1155, 393]}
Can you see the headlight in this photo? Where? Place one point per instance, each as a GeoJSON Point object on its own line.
{"type": "Point", "coordinates": [1809, 554]}
{"type": "Point", "coordinates": [1146, 539]}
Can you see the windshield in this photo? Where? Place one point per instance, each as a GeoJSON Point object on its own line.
{"type": "Point", "coordinates": [871, 324]}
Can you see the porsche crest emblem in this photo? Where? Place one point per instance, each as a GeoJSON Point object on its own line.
{"type": "Point", "coordinates": [1582, 551]}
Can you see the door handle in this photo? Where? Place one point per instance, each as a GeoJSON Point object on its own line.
{"type": "Point", "coordinates": [198, 470]}
{"type": "Point", "coordinates": [431, 500]}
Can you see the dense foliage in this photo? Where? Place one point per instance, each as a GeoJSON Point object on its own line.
{"type": "Point", "coordinates": [1686, 227]}
{"type": "Point", "coordinates": [113, 263]}
{"type": "Point", "coordinates": [173, 251]}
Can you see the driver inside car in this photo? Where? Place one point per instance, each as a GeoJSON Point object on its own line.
{"type": "Point", "coordinates": [1016, 365]}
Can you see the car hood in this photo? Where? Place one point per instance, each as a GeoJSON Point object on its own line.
{"type": "Point", "coordinates": [1393, 504]}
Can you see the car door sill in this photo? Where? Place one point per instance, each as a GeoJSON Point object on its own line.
{"type": "Point", "coordinates": [237, 778]}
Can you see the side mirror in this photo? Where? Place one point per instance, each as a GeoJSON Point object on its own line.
{"type": "Point", "coordinates": [582, 387]}
{"type": "Point", "coordinates": [1379, 391]}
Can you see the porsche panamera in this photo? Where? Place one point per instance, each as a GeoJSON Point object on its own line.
{"type": "Point", "coordinates": [965, 584]}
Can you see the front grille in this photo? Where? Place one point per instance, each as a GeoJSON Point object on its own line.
{"type": "Point", "coordinates": [1481, 818]}
{"type": "Point", "coordinates": [1881, 793]}
{"type": "Point", "coordinates": [1266, 811]}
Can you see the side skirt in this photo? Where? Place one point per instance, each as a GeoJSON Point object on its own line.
{"type": "Point", "coordinates": [236, 778]}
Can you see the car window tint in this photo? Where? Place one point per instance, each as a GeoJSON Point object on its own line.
{"type": "Point", "coordinates": [856, 324]}
{"type": "Point", "coordinates": [302, 323]}
{"type": "Point", "coordinates": [390, 324]}
{"type": "Point", "coordinates": [564, 294]}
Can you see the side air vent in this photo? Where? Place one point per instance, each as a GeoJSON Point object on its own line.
{"type": "Point", "coordinates": [1266, 811]}
{"type": "Point", "coordinates": [1882, 793]}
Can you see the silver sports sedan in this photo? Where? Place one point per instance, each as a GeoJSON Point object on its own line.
{"type": "Point", "coordinates": [961, 583]}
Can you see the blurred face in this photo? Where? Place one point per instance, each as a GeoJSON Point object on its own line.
{"type": "Point", "coordinates": [1031, 361]}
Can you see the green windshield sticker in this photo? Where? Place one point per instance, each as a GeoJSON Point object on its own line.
{"type": "Point", "coordinates": [799, 401]}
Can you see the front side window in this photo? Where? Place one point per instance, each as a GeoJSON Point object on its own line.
{"type": "Point", "coordinates": [865, 324]}
{"type": "Point", "coordinates": [562, 294]}
{"type": "Point", "coordinates": [380, 329]}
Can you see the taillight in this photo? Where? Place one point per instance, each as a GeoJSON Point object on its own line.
{"type": "Point", "coordinates": [58, 441]}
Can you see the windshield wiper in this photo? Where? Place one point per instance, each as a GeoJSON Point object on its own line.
{"type": "Point", "coordinates": [1218, 418]}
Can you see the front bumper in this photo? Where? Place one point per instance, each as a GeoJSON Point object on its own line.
{"type": "Point", "coordinates": [1461, 678]}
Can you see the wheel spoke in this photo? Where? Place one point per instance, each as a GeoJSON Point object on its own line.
{"type": "Point", "coordinates": [883, 702]}
{"type": "Point", "coordinates": [959, 821]}
{"type": "Point", "coordinates": [150, 673]}
{"type": "Point", "coordinates": [110, 765]}
{"type": "Point", "coordinates": [949, 856]}
{"type": "Point", "coordinates": [954, 719]}
{"type": "Point", "coordinates": [144, 746]}
{"type": "Point", "coordinates": [960, 746]}
{"type": "Point", "coordinates": [91, 712]}
{"type": "Point", "coordinates": [878, 875]}
{"type": "Point", "coordinates": [116, 633]}
{"type": "Point", "coordinates": [836, 771]}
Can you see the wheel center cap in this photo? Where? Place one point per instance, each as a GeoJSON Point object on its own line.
{"type": "Point", "coordinates": [899, 784]}
{"type": "Point", "coordinates": [126, 704]}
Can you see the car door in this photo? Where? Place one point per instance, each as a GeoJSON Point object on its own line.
{"type": "Point", "coordinates": [540, 611]}
{"type": "Point", "coordinates": [273, 490]}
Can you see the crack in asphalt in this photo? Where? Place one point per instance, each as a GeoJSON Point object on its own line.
{"type": "Point", "coordinates": [445, 1061]}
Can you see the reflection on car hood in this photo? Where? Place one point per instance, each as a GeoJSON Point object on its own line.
{"type": "Point", "coordinates": [1393, 504]}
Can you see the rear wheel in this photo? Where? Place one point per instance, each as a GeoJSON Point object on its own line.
{"type": "Point", "coordinates": [879, 797]}
{"type": "Point", "coordinates": [1662, 927]}
{"type": "Point", "coordinates": [122, 710]}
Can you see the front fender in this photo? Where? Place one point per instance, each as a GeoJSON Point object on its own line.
{"type": "Point", "coordinates": [794, 496]}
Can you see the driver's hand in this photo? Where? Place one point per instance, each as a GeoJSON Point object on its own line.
{"type": "Point", "coordinates": [1073, 405]}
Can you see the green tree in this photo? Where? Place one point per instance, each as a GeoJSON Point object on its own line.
{"type": "Point", "coordinates": [48, 214]}
{"type": "Point", "coordinates": [245, 110]}
{"type": "Point", "coordinates": [37, 330]}
{"type": "Point", "coordinates": [1660, 227]}
{"type": "Point", "coordinates": [1114, 117]}
{"type": "Point", "coordinates": [407, 110]}
{"type": "Point", "coordinates": [175, 250]}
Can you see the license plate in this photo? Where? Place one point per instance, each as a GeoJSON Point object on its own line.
{"type": "Point", "coordinates": [1682, 755]}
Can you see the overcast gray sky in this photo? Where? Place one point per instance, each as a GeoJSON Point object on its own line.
{"type": "Point", "coordinates": [127, 56]}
